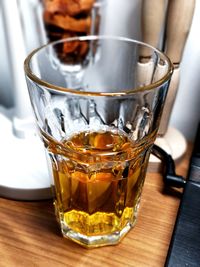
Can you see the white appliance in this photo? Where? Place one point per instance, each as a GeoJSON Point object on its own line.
{"type": "Point", "coordinates": [24, 172]}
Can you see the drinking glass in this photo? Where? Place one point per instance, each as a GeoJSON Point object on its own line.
{"type": "Point", "coordinates": [97, 103]}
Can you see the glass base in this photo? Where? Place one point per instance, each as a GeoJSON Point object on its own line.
{"type": "Point", "coordinates": [73, 230]}
{"type": "Point", "coordinates": [98, 240]}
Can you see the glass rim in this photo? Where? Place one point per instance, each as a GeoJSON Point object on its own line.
{"type": "Point", "coordinates": [135, 90]}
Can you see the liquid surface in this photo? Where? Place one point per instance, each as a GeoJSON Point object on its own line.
{"type": "Point", "coordinates": [98, 180]}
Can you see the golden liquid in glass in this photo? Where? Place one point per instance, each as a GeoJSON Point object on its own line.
{"type": "Point", "coordinates": [98, 179]}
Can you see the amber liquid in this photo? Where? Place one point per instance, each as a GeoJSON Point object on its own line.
{"type": "Point", "coordinates": [98, 180]}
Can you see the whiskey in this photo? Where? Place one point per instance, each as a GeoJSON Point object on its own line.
{"type": "Point", "coordinates": [98, 180]}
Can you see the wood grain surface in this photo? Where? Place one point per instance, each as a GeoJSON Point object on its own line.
{"type": "Point", "coordinates": [30, 236]}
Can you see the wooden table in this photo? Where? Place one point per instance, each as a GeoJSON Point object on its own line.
{"type": "Point", "coordinates": [29, 234]}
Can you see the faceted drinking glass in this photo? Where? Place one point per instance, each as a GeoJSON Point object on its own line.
{"type": "Point", "coordinates": [97, 102]}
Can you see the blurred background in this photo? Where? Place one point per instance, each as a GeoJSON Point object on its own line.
{"type": "Point", "coordinates": [123, 18]}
